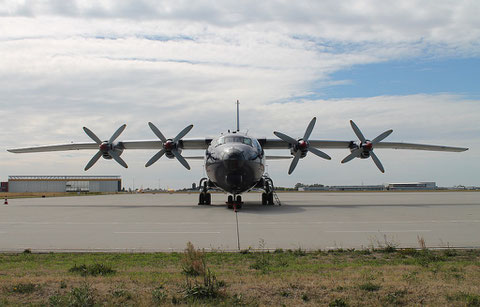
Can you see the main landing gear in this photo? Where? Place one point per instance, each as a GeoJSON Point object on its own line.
{"type": "Point", "coordinates": [204, 197]}
{"type": "Point", "coordinates": [269, 197]}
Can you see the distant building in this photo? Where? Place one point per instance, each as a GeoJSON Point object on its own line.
{"type": "Point", "coordinates": [40, 184]}
{"type": "Point", "coordinates": [412, 186]}
{"type": "Point", "coordinates": [357, 188]}
{"type": "Point", "coordinates": [317, 188]}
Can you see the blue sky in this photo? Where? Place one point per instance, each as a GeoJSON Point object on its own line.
{"type": "Point", "coordinates": [407, 77]}
{"type": "Point", "coordinates": [410, 66]}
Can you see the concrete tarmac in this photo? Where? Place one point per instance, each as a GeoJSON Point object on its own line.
{"type": "Point", "coordinates": [166, 222]}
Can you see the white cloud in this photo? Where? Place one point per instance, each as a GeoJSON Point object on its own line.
{"type": "Point", "coordinates": [104, 63]}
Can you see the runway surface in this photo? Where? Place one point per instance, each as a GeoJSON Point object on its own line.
{"type": "Point", "coordinates": [166, 222]}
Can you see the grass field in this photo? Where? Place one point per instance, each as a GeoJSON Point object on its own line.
{"type": "Point", "coordinates": [384, 277]}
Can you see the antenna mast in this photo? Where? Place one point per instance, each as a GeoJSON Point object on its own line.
{"type": "Point", "coordinates": [238, 116]}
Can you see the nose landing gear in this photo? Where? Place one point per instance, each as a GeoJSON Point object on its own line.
{"type": "Point", "coordinates": [234, 201]}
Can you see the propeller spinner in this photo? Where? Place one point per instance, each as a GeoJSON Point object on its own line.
{"type": "Point", "coordinates": [301, 147]}
{"type": "Point", "coordinates": [170, 146]}
{"type": "Point", "coordinates": [106, 148]}
{"type": "Point", "coordinates": [365, 148]}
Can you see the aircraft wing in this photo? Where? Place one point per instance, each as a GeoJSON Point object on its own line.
{"type": "Point", "coordinates": [55, 147]}
{"type": "Point", "coordinates": [328, 144]}
{"type": "Point", "coordinates": [144, 144]}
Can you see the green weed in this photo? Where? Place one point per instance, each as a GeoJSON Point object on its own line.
{"type": "Point", "coordinates": [159, 296]}
{"type": "Point", "coordinates": [209, 289]}
{"type": "Point", "coordinates": [368, 286]}
{"type": "Point", "coordinates": [470, 300]}
{"type": "Point", "coordinates": [396, 297]}
{"type": "Point", "coordinates": [338, 302]}
{"type": "Point", "coordinates": [193, 262]}
{"type": "Point", "coordinates": [97, 269]}
{"type": "Point", "coordinates": [22, 288]}
{"type": "Point", "coordinates": [82, 296]}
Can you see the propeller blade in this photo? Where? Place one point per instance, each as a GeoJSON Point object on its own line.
{"type": "Point", "coordinates": [309, 129]}
{"type": "Point", "coordinates": [319, 153]}
{"type": "Point", "coordinates": [93, 160]}
{"type": "Point", "coordinates": [117, 158]}
{"type": "Point", "coordinates": [285, 137]}
{"type": "Point", "coordinates": [294, 162]}
{"type": "Point", "coordinates": [354, 154]}
{"type": "Point", "coordinates": [182, 133]}
{"type": "Point", "coordinates": [377, 162]}
{"type": "Point", "coordinates": [92, 135]}
{"type": "Point", "coordinates": [117, 133]}
{"type": "Point", "coordinates": [157, 132]}
{"type": "Point", "coordinates": [180, 159]}
{"type": "Point", "coordinates": [154, 159]}
{"type": "Point", "coordinates": [381, 136]}
{"type": "Point", "coordinates": [357, 132]}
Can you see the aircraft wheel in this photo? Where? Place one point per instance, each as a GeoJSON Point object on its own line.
{"type": "Point", "coordinates": [208, 198]}
{"type": "Point", "coordinates": [230, 199]}
{"type": "Point", "coordinates": [264, 199]}
{"type": "Point", "coordinates": [201, 198]}
{"type": "Point", "coordinates": [239, 198]}
{"type": "Point", "coordinates": [270, 199]}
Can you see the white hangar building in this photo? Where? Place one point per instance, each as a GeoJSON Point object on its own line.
{"type": "Point", "coordinates": [38, 184]}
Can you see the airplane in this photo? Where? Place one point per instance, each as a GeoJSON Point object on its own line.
{"type": "Point", "coordinates": [235, 161]}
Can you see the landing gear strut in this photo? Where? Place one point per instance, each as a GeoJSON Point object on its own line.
{"type": "Point", "coordinates": [204, 198]}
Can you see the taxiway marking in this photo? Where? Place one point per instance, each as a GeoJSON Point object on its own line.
{"type": "Point", "coordinates": [377, 231]}
{"type": "Point", "coordinates": [167, 232]}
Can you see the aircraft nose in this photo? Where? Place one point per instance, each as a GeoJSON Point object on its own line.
{"type": "Point", "coordinates": [233, 154]}
{"type": "Point", "coordinates": [233, 158]}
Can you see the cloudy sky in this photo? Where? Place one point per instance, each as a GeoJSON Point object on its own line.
{"type": "Point", "coordinates": [410, 66]}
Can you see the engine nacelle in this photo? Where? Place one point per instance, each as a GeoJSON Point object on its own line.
{"type": "Point", "coordinates": [105, 147]}
{"type": "Point", "coordinates": [365, 154]}
{"type": "Point", "coordinates": [170, 155]}
{"type": "Point", "coordinates": [301, 146]}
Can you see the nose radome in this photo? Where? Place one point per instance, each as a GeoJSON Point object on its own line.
{"type": "Point", "coordinates": [233, 154]}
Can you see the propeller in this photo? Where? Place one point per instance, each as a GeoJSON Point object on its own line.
{"type": "Point", "coordinates": [170, 146]}
{"type": "Point", "coordinates": [106, 148]}
{"type": "Point", "coordinates": [301, 147]}
{"type": "Point", "coordinates": [365, 148]}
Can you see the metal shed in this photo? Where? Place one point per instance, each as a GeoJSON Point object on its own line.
{"type": "Point", "coordinates": [25, 184]}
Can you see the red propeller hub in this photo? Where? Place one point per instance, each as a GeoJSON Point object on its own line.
{"type": "Point", "coordinates": [169, 145]}
{"type": "Point", "coordinates": [302, 145]}
{"type": "Point", "coordinates": [368, 145]}
{"type": "Point", "coordinates": [104, 147]}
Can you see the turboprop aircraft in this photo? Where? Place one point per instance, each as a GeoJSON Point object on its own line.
{"type": "Point", "coordinates": [235, 161]}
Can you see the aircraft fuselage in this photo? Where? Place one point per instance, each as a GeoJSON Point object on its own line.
{"type": "Point", "coordinates": [235, 162]}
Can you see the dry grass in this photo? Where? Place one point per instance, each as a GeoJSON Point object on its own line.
{"type": "Point", "coordinates": [366, 278]}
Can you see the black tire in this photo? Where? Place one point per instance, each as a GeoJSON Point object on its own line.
{"type": "Point", "coordinates": [201, 199]}
{"type": "Point", "coordinates": [270, 199]}
{"type": "Point", "coordinates": [239, 199]}
{"type": "Point", "coordinates": [230, 199]}
{"type": "Point", "coordinates": [208, 199]}
{"type": "Point", "coordinates": [264, 199]}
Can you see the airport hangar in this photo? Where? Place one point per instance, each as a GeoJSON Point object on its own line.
{"type": "Point", "coordinates": [59, 184]}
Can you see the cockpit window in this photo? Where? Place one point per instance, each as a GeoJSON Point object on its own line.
{"type": "Point", "coordinates": [234, 139]}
